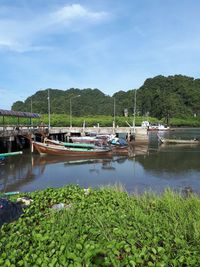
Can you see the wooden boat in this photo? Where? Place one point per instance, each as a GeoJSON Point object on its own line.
{"type": "Point", "coordinates": [119, 150]}
{"type": "Point", "coordinates": [98, 140]}
{"type": "Point", "coordinates": [83, 139]}
{"type": "Point", "coordinates": [61, 150]}
{"type": "Point", "coordinates": [11, 154]}
{"type": "Point", "coordinates": [178, 141]}
{"type": "Point", "coordinates": [116, 147]}
{"type": "Point", "coordinates": [119, 146]}
{"type": "Point", "coordinates": [3, 156]}
{"type": "Point", "coordinates": [67, 144]}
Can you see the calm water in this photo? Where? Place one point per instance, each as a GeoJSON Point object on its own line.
{"type": "Point", "coordinates": [153, 167]}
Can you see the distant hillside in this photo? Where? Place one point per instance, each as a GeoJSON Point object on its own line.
{"type": "Point", "coordinates": [90, 102]}
{"type": "Point", "coordinates": [161, 97]}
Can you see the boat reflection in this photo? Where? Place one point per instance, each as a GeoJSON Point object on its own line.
{"type": "Point", "coordinates": [18, 171]}
{"type": "Point", "coordinates": [137, 150]}
{"type": "Point", "coordinates": [23, 171]}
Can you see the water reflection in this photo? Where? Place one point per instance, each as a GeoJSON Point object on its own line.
{"type": "Point", "coordinates": [18, 171]}
{"type": "Point", "coordinates": [22, 171]}
{"type": "Point", "coordinates": [153, 166]}
{"type": "Point", "coordinates": [172, 159]}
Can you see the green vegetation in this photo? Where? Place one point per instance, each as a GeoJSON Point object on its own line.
{"type": "Point", "coordinates": [160, 97]}
{"type": "Point", "coordinates": [63, 120]}
{"type": "Point", "coordinates": [104, 227]}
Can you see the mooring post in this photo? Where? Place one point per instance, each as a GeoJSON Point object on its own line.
{"type": "Point", "coordinates": [32, 137]}
{"type": "Point", "coordinates": [11, 138]}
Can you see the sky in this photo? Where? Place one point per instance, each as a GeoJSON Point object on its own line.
{"type": "Point", "coordinates": [111, 45]}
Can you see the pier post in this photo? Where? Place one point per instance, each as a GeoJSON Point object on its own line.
{"type": "Point", "coordinates": [113, 127]}
{"type": "Point", "coordinates": [10, 139]}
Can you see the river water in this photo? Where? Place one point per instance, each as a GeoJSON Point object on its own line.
{"type": "Point", "coordinates": [152, 167]}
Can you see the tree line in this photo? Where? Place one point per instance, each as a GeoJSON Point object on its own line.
{"type": "Point", "coordinates": [160, 97]}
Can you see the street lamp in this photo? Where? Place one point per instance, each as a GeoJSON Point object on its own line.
{"type": "Point", "coordinates": [114, 112]}
{"type": "Point", "coordinates": [31, 111]}
{"type": "Point", "coordinates": [70, 105]}
{"type": "Point", "coordinates": [49, 110]}
{"type": "Point", "coordinates": [134, 110]}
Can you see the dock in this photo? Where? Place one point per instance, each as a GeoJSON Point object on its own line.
{"type": "Point", "coordinates": [19, 137]}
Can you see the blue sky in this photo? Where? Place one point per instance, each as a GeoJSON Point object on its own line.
{"type": "Point", "coordinates": [111, 45]}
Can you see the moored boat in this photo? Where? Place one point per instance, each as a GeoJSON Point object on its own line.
{"type": "Point", "coordinates": [61, 150]}
{"type": "Point", "coordinates": [83, 139]}
{"type": "Point", "coordinates": [67, 144]}
{"type": "Point", "coordinates": [155, 126]}
{"type": "Point", "coordinates": [119, 146]}
{"type": "Point", "coordinates": [178, 141]}
{"type": "Point", "coordinates": [99, 139]}
{"type": "Point", "coordinates": [10, 154]}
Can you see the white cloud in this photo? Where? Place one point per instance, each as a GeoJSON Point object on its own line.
{"type": "Point", "coordinates": [69, 13]}
{"type": "Point", "coordinates": [20, 34]}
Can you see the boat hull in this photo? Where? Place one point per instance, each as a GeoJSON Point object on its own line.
{"type": "Point", "coordinates": [43, 148]}
{"type": "Point", "coordinates": [119, 150]}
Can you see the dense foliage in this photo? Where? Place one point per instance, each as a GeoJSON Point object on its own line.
{"type": "Point", "coordinates": [104, 227]}
{"type": "Point", "coordinates": [172, 96]}
{"type": "Point", "coordinates": [160, 97]}
{"type": "Point", "coordinates": [91, 101]}
{"type": "Point", "coordinates": [63, 120]}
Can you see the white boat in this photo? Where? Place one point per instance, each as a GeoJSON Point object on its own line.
{"type": "Point", "coordinates": [154, 127]}
{"type": "Point", "coordinates": [98, 139]}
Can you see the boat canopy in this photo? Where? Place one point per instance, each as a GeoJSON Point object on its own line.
{"type": "Point", "coordinates": [13, 113]}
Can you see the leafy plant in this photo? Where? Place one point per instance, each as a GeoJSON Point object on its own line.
{"type": "Point", "coordinates": [106, 227]}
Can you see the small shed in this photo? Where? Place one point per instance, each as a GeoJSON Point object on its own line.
{"type": "Point", "coordinates": [18, 114]}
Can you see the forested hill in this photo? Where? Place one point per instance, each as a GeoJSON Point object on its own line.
{"type": "Point", "coordinates": [161, 97]}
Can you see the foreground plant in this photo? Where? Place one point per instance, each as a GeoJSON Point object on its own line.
{"type": "Point", "coordinates": [103, 227]}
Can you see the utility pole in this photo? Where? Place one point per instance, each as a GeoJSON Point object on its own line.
{"type": "Point", "coordinates": [134, 110]}
{"type": "Point", "coordinates": [31, 110]}
{"type": "Point", "coordinates": [49, 110]}
{"type": "Point", "coordinates": [114, 113]}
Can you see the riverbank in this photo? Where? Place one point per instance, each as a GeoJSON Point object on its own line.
{"type": "Point", "coordinates": [104, 227]}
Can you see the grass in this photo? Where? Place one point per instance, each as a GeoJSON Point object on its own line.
{"type": "Point", "coordinates": [104, 227]}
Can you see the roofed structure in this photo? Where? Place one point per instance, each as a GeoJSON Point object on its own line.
{"type": "Point", "coordinates": [18, 114]}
